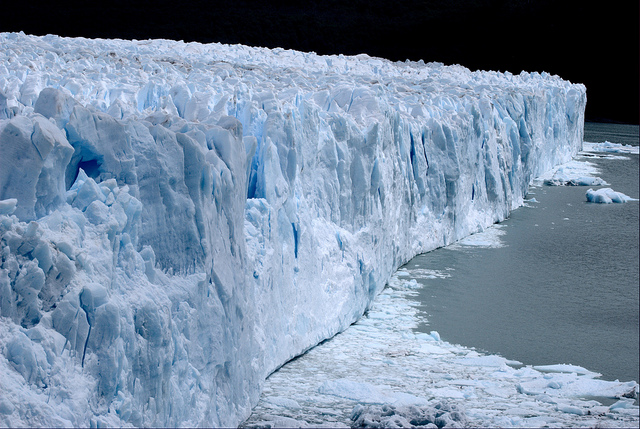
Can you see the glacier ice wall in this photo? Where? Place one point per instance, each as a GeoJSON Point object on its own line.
{"type": "Point", "coordinates": [177, 220]}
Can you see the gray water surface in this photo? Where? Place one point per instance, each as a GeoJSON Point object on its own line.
{"type": "Point", "coordinates": [562, 289]}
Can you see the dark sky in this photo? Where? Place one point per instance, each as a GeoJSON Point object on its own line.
{"type": "Point", "coordinates": [595, 43]}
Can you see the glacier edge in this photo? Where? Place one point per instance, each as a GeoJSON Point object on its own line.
{"type": "Point", "coordinates": [178, 220]}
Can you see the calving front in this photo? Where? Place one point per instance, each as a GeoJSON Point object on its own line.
{"type": "Point", "coordinates": [179, 220]}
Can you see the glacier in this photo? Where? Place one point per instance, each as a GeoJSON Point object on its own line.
{"type": "Point", "coordinates": [178, 220]}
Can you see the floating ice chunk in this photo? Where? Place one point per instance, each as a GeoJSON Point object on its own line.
{"type": "Point", "coordinates": [624, 403]}
{"type": "Point", "coordinates": [438, 415]}
{"type": "Point", "coordinates": [280, 422]}
{"type": "Point", "coordinates": [607, 196]}
{"type": "Point", "coordinates": [417, 273]}
{"type": "Point", "coordinates": [571, 409]}
{"type": "Point", "coordinates": [573, 173]}
{"type": "Point", "coordinates": [563, 177]}
{"type": "Point", "coordinates": [609, 147]}
{"type": "Point", "coordinates": [283, 402]}
{"type": "Point", "coordinates": [625, 406]}
{"type": "Point", "coordinates": [576, 386]}
{"type": "Point", "coordinates": [489, 238]}
{"type": "Point", "coordinates": [412, 284]}
{"type": "Point", "coordinates": [367, 393]}
{"type": "Point", "coordinates": [490, 360]}
{"type": "Point", "coordinates": [566, 368]}
{"type": "Point", "coordinates": [587, 181]}
{"type": "Point", "coordinates": [427, 348]}
{"type": "Point", "coordinates": [362, 392]}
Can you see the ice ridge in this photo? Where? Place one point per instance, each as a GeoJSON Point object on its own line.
{"type": "Point", "coordinates": [177, 220]}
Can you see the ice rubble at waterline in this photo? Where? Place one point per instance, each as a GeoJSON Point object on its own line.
{"type": "Point", "coordinates": [382, 373]}
{"type": "Point", "coordinates": [581, 172]}
{"type": "Point", "coordinates": [178, 220]}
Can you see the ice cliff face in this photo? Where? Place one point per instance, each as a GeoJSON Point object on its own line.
{"type": "Point", "coordinates": [178, 220]}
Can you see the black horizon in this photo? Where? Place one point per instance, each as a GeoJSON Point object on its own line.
{"type": "Point", "coordinates": [584, 42]}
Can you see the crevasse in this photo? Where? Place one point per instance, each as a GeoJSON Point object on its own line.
{"type": "Point", "coordinates": [178, 220]}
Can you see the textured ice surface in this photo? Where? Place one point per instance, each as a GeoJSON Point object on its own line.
{"type": "Point", "coordinates": [609, 147]}
{"type": "Point", "coordinates": [178, 220]}
{"type": "Point", "coordinates": [602, 195]}
{"type": "Point", "coordinates": [489, 238]}
{"type": "Point", "coordinates": [607, 196]}
{"type": "Point", "coordinates": [381, 373]}
{"type": "Point", "coordinates": [577, 172]}
{"type": "Point", "coordinates": [581, 172]}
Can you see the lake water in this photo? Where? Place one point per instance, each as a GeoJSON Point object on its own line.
{"type": "Point", "coordinates": [563, 288]}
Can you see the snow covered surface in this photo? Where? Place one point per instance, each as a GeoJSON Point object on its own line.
{"type": "Point", "coordinates": [381, 373]}
{"type": "Point", "coordinates": [178, 220]}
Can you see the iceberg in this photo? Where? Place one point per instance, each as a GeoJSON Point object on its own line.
{"type": "Point", "coordinates": [607, 196]}
{"type": "Point", "coordinates": [178, 220]}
